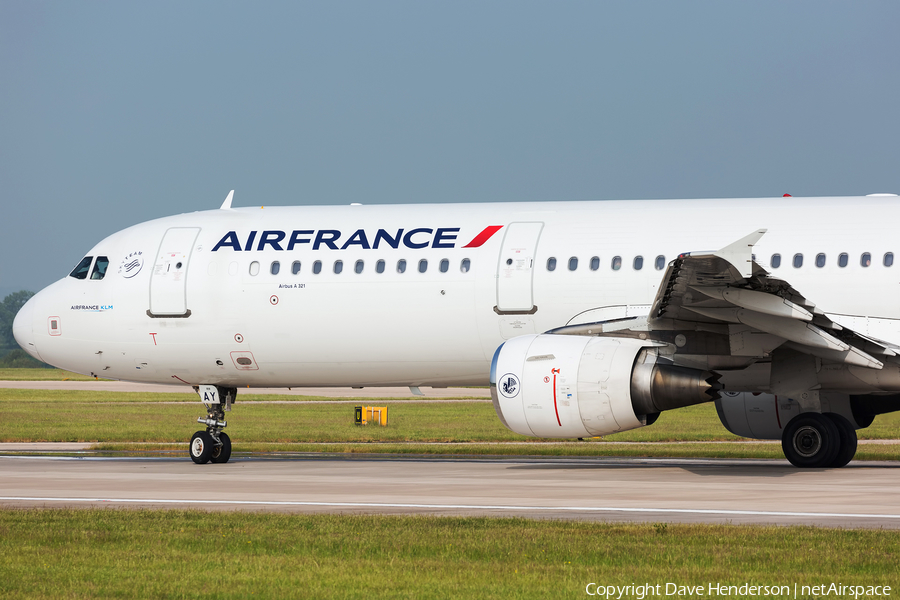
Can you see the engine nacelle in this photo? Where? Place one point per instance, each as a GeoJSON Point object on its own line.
{"type": "Point", "coordinates": [764, 416]}
{"type": "Point", "coordinates": [564, 386]}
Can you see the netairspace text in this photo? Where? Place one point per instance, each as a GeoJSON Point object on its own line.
{"type": "Point", "coordinates": [646, 590]}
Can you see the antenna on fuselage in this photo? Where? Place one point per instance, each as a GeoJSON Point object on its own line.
{"type": "Point", "coordinates": [227, 204]}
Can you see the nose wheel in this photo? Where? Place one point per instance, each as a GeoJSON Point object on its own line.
{"type": "Point", "coordinates": [201, 447]}
{"type": "Point", "coordinates": [205, 448]}
{"type": "Point", "coordinates": [213, 444]}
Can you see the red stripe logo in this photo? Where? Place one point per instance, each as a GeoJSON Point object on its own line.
{"type": "Point", "coordinates": [555, 409]}
{"type": "Point", "coordinates": [484, 236]}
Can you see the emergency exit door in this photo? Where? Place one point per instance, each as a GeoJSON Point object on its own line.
{"type": "Point", "coordinates": [515, 270]}
{"type": "Point", "coordinates": [168, 281]}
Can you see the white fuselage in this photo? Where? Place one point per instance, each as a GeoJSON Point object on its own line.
{"type": "Point", "coordinates": [218, 315]}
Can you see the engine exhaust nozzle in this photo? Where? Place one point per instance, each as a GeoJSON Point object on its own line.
{"type": "Point", "coordinates": [657, 387]}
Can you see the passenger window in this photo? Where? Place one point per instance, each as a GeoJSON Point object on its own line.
{"type": "Point", "coordinates": [798, 261]}
{"type": "Point", "coordinates": [660, 262]}
{"type": "Point", "coordinates": [820, 260]}
{"type": "Point", "coordinates": [81, 271]}
{"type": "Point", "coordinates": [866, 259]}
{"type": "Point", "coordinates": [616, 263]}
{"type": "Point", "coordinates": [888, 259]}
{"type": "Point", "coordinates": [843, 259]}
{"type": "Point", "coordinates": [317, 267]}
{"type": "Point", "coordinates": [254, 268]}
{"type": "Point", "coordinates": [358, 267]}
{"type": "Point", "coordinates": [445, 265]}
{"type": "Point", "coordinates": [276, 267]}
{"type": "Point", "coordinates": [338, 267]}
{"type": "Point", "coordinates": [465, 265]}
{"type": "Point", "coordinates": [573, 263]}
{"type": "Point", "coordinates": [595, 263]}
{"type": "Point", "coordinates": [638, 263]}
{"type": "Point", "coordinates": [776, 261]}
{"type": "Point", "coordinates": [423, 265]}
{"type": "Point", "coordinates": [295, 267]}
{"type": "Point", "coordinates": [379, 266]}
{"type": "Point", "coordinates": [100, 267]}
{"type": "Point", "coordinates": [551, 264]}
{"type": "Point", "coordinates": [401, 266]}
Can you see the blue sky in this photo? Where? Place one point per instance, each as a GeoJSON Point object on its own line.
{"type": "Point", "coordinates": [112, 113]}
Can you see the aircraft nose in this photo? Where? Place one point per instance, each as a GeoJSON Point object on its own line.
{"type": "Point", "coordinates": [23, 328]}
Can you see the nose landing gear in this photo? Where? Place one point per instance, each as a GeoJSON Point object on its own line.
{"type": "Point", "coordinates": [213, 444]}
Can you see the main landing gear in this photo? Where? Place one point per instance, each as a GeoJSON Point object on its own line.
{"type": "Point", "coordinates": [816, 440]}
{"type": "Point", "coordinates": [213, 444]}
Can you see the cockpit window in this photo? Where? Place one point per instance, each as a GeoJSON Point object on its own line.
{"type": "Point", "coordinates": [81, 271]}
{"type": "Point", "coordinates": [100, 266]}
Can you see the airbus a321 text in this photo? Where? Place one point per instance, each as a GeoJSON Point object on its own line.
{"type": "Point", "coordinates": [586, 318]}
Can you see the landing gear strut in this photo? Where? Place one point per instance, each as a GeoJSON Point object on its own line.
{"type": "Point", "coordinates": [213, 444]}
{"type": "Point", "coordinates": [817, 440]}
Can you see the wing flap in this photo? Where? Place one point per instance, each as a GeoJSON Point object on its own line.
{"type": "Point", "coordinates": [731, 289]}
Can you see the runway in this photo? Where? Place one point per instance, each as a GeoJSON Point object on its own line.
{"type": "Point", "coordinates": [606, 489]}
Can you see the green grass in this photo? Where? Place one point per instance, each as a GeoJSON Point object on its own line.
{"type": "Point", "coordinates": [41, 375]}
{"type": "Point", "coordinates": [192, 554]}
{"type": "Point", "coordinates": [30, 415]}
{"type": "Point", "coordinates": [55, 415]}
{"type": "Point", "coordinates": [116, 421]}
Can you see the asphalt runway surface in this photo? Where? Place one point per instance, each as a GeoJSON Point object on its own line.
{"type": "Point", "coordinates": [607, 489]}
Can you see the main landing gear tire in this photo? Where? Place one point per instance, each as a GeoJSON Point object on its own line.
{"type": "Point", "coordinates": [814, 440]}
{"type": "Point", "coordinates": [201, 447]}
{"type": "Point", "coordinates": [848, 440]}
{"type": "Point", "coordinates": [222, 453]}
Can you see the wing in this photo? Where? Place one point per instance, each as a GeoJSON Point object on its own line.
{"type": "Point", "coordinates": [730, 288]}
{"type": "Point", "coordinates": [723, 311]}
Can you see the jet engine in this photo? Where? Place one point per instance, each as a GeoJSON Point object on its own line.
{"type": "Point", "coordinates": [565, 386]}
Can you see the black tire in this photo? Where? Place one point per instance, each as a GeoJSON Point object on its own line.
{"type": "Point", "coordinates": [811, 441]}
{"type": "Point", "coordinates": [221, 454]}
{"type": "Point", "coordinates": [201, 447]}
{"type": "Point", "coordinates": [847, 433]}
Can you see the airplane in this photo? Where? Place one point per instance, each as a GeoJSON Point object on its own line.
{"type": "Point", "coordinates": [585, 318]}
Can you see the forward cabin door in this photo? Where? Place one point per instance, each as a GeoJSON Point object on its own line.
{"type": "Point", "coordinates": [515, 270]}
{"type": "Point", "coordinates": [168, 281]}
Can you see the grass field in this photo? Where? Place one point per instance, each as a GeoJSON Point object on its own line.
{"type": "Point", "coordinates": [89, 553]}
{"type": "Point", "coordinates": [117, 421]}
{"type": "Point", "coordinates": [182, 554]}
{"type": "Point", "coordinates": [41, 375]}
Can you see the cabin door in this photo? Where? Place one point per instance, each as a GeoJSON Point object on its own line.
{"type": "Point", "coordinates": [168, 281]}
{"type": "Point", "coordinates": [515, 270]}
